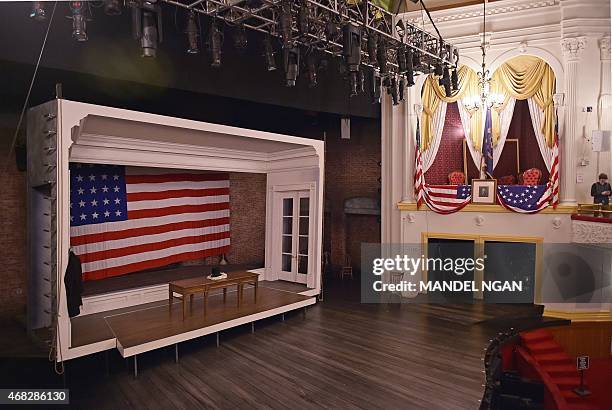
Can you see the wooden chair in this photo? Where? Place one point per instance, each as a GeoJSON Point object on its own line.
{"type": "Point", "coordinates": [531, 177]}
{"type": "Point", "coordinates": [456, 178]}
{"type": "Point", "coordinates": [347, 269]}
{"type": "Point", "coordinates": [507, 180]}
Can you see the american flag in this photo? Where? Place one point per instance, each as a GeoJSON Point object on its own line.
{"type": "Point", "coordinates": [553, 183]}
{"type": "Point", "coordinates": [487, 146]}
{"type": "Point", "coordinates": [446, 199]}
{"type": "Point", "coordinates": [128, 219]}
{"type": "Point", "coordinates": [523, 198]}
{"type": "Point", "coordinates": [419, 179]}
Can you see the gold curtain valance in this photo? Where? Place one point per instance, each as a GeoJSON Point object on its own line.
{"type": "Point", "coordinates": [433, 93]}
{"type": "Point", "coordinates": [525, 77]}
{"type": "Point", "coordinates": [521, 78]}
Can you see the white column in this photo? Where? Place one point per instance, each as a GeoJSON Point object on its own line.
{"type": "Point", "coordinates": [572, 49]}
{"type": "Point", "coordinates": [604, 105]}
{"type": "Point", "coordinates": [408, 138]}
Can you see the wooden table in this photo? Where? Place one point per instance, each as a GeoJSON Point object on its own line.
{"type": "Point", "coordinates": [189, 287]}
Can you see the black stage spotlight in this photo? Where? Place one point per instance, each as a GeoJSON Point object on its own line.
{"type": "Point", "coordinates": [416, 60]}
{"type": "Point", "coordinates": [375, 86]}
{"type": "Point", "coordinates": [351, 49]}
{"type": "Point", "coordinates": [372, 40]}
{"type": "Point", "coordinates": [285, 21]}
{"type": "Point", "coordinates": [269, 53]}
{"type": "Point", "coordinates": [438, 69]}
{"type": "Point", "coordinates": [331, 30]}
{"type": "Point", "coordinates": [311, 69]}
{"type": "Point", "coordinates": [401, 86]}
{"type": "Point", "coordinates": [240, 39]}
{"type": "Point", "coordinates": [214, 44]}
{"type": "Point", "coordinates": [38, 12]}
{"type": "Point", "coordinates": [446, 82]}
{"type": "Point", "coordinates": [112, 7]}
{"type": "Point", "coordinates": [291, 58]}
{"type": "Point", "coordinates": [79, 21]}
{"type": "Point", "coordinates": [192, 34]}
{"type": "Point", "coordinates": [401, 59]}
{"type": "Point", "coordinates": [394, 91]}
{"type": "Point", "coordinates": [454, 80]}
{"type": "Point", "coordinates": [381, 55]}
{"type": "Point", "coordinates": [409, 67]}
{"type": "Point", "coordinates": [147, 26]}
{"type": "Point", "coordinates": [302, 18]}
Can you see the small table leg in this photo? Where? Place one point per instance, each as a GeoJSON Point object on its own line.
{"type": "Point", "coordinates": [217, 339]}
{"type": "Point", "coordinates": [176, 353]}
{"type": "Point", "coordinates": [135, 366]}
{"type": "Point", "coordinates": [238, 294]}
{"type": "Point", "coordinates": [184, 305]}
{"type": "Point", "coordinates": [255, 285]}
{"type": "Point", "coordinates": [191, 301]}
{"type": "Point", "coordinates": [170, 299]}
{"type": "Point", "coordinates": [224, 294]}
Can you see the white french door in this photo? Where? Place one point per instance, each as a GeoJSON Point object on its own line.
{"type": "Point", "coordinates": [294, 233]}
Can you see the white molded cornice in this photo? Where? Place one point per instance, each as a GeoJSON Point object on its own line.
{"type": "Point", "coordinates": [573, 47]}
{"type": "Point", "coordinates": [499, 7]}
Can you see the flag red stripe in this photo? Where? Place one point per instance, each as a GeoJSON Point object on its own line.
{"type": "Point", "coordinates": [153, 263]}
{"type": "Point", "coordinates": [174, 210]}
{"type": "Point", "coordinates": [148, 247]}
{"type": "Point", "coordinates": [177, 193]}
{"type": "Point", "coordinates": [442, 195]}
{"type": "Point", "coordinates": [151, 179]}
{"type": "Point", "coordinates": [148, 230]}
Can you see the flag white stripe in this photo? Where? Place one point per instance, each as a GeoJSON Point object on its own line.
{"type": "Point", "coordinates": [163, 203]}
{"type": "Point", "coordinates": [140, 223]}
{"type": "Point", "coordinates": [158, 254]}
{"type": "Point", "coordinates": [173, 186]}
{"type": "Point", "coordinates": [147, 239]}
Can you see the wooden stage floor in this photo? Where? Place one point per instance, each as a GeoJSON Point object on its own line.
{"type": "Point", "coordinates": [149, 326]}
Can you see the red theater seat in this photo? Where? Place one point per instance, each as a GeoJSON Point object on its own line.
{"type": "Point", "coordinates": [456, 178]}
{"type": "Point", "coordinates": [531, 177]}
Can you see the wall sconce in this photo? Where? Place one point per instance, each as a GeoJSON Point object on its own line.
{"type": "Point", "coordinates": [479, 220]}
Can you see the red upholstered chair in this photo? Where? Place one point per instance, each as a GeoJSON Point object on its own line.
{"type": "Point", "coordinates": [531, 176]}
{"type": "Point", "coordinates": [507, 180]}
{"type": "Point", "coordinates": [456, 178]}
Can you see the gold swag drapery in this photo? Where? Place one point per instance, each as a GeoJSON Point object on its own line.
{"type": "Point", "coordinates": [521, 78]}
{"type": "Point", "coordinates": [524, 77]}
{"type": "Point", "coordinates": [433, 93]}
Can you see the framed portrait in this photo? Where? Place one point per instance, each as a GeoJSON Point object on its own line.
{"type": "Point", "coordinates": [484, 191]}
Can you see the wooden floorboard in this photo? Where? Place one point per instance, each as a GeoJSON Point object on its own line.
{"type": "Point", "coordinates": [343, 355]}
{"type": "Point", "coordinates": [148, 325]}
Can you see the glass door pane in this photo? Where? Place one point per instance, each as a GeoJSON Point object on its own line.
{"type": "Point", "coordinates": [287, 235]}
{"type": "Point", "coordinates": [303, 239]}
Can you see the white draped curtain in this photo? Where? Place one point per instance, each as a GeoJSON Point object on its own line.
{"type": "Point", "coordinates": [437, 126]}
{"type": "Point", "coordinates": [537, 117]}
{"type": "Point", "coordinates": [505, 118]}
{"type": "Point", "coordinates": [465, 122]}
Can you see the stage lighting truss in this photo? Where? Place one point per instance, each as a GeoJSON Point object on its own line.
{"type": "Point", "coordinates": [264, 16]}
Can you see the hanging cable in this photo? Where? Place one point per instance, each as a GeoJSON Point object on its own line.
{"type": "Point", "coordinates": [27, 99]}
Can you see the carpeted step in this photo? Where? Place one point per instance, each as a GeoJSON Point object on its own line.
{"type": "Point", "coordinates": [544, 346]}
{"type": "Point", "coordinates": [566, 382]}
{"type": "Point", "coordinates": [556, 358]}
{"type": "Point", "coordinates": [560, 370]}
{"type": "Point", "coordinates": [536, 335]}
{"type": "Point", "coordinates": [571, 397]}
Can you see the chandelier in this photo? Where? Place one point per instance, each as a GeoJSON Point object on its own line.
{"type": "Point", "coordinates": [486, 99]}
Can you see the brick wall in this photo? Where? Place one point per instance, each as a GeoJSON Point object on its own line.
{"type": "Point", "coordinates": [351, 170]}
{"type": "Point", "coordinates": [450, 153]}
{"type": "Point", "coordinates": [247, 218]}
{"type": "Point", "coordinates": [13, 233]}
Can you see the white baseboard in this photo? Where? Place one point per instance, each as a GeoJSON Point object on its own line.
{"type": "Point", "coordinates": [124, 298]}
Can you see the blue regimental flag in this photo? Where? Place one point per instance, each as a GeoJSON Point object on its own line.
{"type": "Point", "coordinates": [487, 146]}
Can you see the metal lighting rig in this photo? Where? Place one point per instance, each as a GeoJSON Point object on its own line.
{"type": "Point", "coordinates": [319, 24]}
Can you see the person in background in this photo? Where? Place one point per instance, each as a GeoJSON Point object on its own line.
{"type": "Point", "coordinates": [600, 191]}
